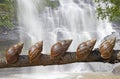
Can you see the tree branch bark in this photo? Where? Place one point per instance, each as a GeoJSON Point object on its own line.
{"type": "Point", "coordinates": [69, 57]}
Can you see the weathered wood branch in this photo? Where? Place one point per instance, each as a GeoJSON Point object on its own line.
{"type": "Point", "coordinates": [69, 57]}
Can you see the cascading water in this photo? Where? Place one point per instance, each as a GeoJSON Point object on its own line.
{"type": "Point", "coordinates": [72, 19]}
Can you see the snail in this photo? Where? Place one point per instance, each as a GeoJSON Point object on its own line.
{"type": "Point", "coordinates": [84, 49]}
{"type": "Point", "coordinates": [59, 49]}
{"type": "Point", "coordinates": [106, 48]}
{"type": "Point", "coordinates": [13, 52]}
{"type": "Point", "coordinates": [34, 52]}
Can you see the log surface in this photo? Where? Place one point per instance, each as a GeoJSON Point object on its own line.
{"type": "Point", "coordinates": [69, 57]}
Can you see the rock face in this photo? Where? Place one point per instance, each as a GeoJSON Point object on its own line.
{"type": "Point", "coordinates": [8, 38]}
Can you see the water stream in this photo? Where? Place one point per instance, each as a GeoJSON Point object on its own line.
{"type": "Point", "coordinates": [71, 19]}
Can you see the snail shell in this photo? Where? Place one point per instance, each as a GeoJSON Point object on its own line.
{"type": "Point", "coordinates": [106, 48]}
{"type": "Point", "coordinates": [13, 52]}
{"type": "Point", "coordinates": [84, 49]}
{"type": "Point", "coordinates": [35, 52]}
{"type": "Point", "coordinates": [58, 49]}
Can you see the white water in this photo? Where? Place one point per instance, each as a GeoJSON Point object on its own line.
{"type": "Point", "coordinates": [70, 20]}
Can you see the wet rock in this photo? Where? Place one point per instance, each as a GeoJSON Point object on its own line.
{"type": "Point", "coordinates": [8, 37]}
{"type": "Point", "coordinates": [116, 70]}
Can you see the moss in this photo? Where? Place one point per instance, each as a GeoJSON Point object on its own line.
{"type": "Point", "coordinates": [52, 4]}
{"type": "Point", "coordinates": [7, 13]}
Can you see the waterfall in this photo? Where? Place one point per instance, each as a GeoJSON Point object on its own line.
{"type": "Point", "coordinates": [71, 19]}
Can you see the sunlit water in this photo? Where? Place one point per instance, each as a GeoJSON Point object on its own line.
{"type": "Point", "coordinates": [42, 73]}
{"type": "Point", "coordinates": [72, 19]}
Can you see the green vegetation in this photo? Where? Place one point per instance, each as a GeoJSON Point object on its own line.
{"type": "Point", "coordinates": [52, 4]}
{"type": "Point", "coordinates": [108, 9]}
{"type": "Point", "coordinates": [8, 9]}
{"type": "Point", "coordinates": [7, 13]}
{"type": "Point", "coordinates": [105, 9]}
{"type": "Point", "coordinates": [49, 3]}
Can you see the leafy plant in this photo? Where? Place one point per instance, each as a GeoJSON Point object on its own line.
{"type": "Point", "coordinates": [108, 9]}
{"type": "Point", "coordinates": [7, 13]}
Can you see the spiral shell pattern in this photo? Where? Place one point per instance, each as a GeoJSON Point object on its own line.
{"type": "Point", "coordinates": [59, 48]}
{"type": "Point", "coordinates": [106, 48]}
{"type": "Point", "coordinates": [34, 52]}
{"type": "Point", "coordinates": [13, 52]}
{"type": "Point", "coordinates": [84, 49]}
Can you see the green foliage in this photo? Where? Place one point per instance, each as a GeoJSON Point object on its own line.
{"type": "Point", "coordinates": [108, 8]}
{"type": "Point", "coordinates": [52, 4]}
{"type": "Point", "coordinates": [7, 13]}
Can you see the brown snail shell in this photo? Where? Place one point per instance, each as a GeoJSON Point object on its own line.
{"type": "Point", "coordinates": [84, 49]}
{"type": "Point", "coordinates": [106, 48]}
{"type": "Point", "coordinates": [59, 48]}
{"type": "Point", "coordinates": [13, 52]}
{"type": "Point", "coordinates": [35, 52]}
